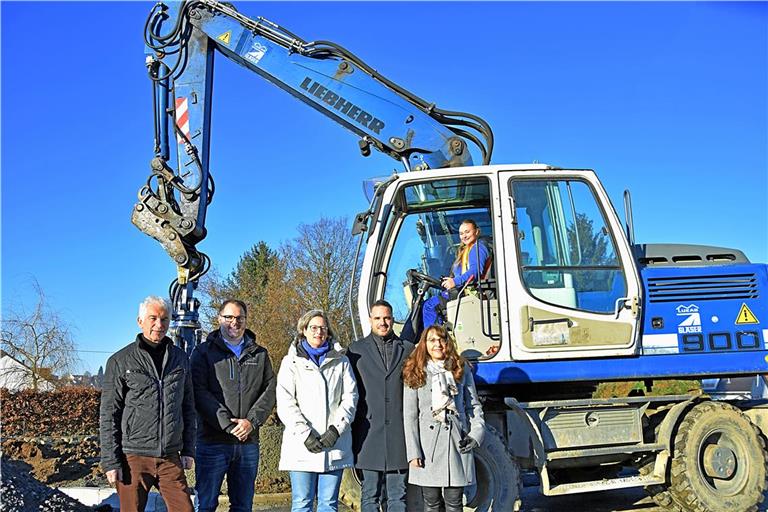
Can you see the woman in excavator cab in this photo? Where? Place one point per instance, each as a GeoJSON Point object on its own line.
{"type": "Point", "coordinates": [473, 262]}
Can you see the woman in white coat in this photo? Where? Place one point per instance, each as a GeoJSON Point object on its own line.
{"type": "Point", "coordinates": [316, 398]}
{"type": "Point", "coordinates": [443, 420]}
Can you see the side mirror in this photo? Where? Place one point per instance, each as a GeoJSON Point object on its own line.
{"type": "Point", "coordinates": [630, 225]}
{"type": "Point", "coordinates": [360, 224]}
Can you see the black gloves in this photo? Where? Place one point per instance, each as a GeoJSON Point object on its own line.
{"type": "Point", "coordinates": [317, 444]}
{"type": "Point", "coordinates": [330, 437]}
{"type": "Point", "coordinates": [313, 443]}
{"type": "Point", "coordinates": [467, 444]}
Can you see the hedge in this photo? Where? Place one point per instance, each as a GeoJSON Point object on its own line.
{"type": "Point", "coordinates": [74, 411]}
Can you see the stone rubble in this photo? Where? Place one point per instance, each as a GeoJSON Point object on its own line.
{"type": "Point", "coordinates": [20, 492]}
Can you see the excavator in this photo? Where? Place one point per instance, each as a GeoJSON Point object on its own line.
{"type": "Point", "coordinates": [571, 300]}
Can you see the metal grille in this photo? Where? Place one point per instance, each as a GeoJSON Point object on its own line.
{"type": "Point", "coordinates": [718, 287]}
{"type": "Point", "coordinates": [563, 429]}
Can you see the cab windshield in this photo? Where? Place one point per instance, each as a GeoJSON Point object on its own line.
{"type": "Point", "coordinates": [424, 232]}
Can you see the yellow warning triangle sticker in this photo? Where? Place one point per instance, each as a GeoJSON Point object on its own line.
{"type": "Point", "coordinates": [746, 316]}
{"type": "Point", "coordinates": [225, 37]}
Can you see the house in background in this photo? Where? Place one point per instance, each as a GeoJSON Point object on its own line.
{"type": "Point", "coordinates": [84, 380]}
{"type": "Point", "coordinates": [16, 376]}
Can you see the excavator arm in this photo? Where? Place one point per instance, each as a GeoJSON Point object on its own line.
{"type": "Point", "coordinates": [182, 39]}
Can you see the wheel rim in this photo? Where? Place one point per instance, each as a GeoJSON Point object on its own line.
{"type": "Point", "coordinates": [723, 462]}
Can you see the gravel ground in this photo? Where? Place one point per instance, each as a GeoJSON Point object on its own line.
{"type": "Point", "coordinates": [624, 500]}
{"type": "Point", "coordinates": [20, 492]}
{"type": "Point", "coordinates": [627, 500]}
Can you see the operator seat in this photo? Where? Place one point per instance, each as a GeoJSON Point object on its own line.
{"type": "Point", "coordinates": [476, 315]}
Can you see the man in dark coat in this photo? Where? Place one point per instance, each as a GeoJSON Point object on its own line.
{"type": "Point", "coordinates": [378, 438]}
{"type": "Point", "coordinates": [234, 395]}
{"type": "Point", "coordinates": [148, 416]}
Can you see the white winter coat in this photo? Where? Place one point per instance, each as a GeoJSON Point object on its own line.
{"type": "Point", "coordinates": [310, 399]}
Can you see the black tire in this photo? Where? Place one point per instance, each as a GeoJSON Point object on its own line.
{"type": "Point", "coordinates": [659, 493]}
{"type": "Point", "coordinates": [717, 427]}
{"type": "Point", "coordinates": [349, 494]}
{"type": "Point", "coordinates": [497, 477]}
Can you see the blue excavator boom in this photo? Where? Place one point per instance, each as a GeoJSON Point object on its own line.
{"type": "Point", "coordinates": [182, 39]}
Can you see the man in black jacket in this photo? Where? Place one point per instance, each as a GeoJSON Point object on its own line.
{"type": "Point", "coordinates": [148, 415]}
{"type": "Point", "coordinates": [234, 395]}
{"type": "Point", "coordinates": [378, 438]}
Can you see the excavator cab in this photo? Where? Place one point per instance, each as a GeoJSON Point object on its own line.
{"type": "Point", "coordinates": [563, 283]}
{"type": "Point", "coordinates": [469, 312]}
{"type": "Point", "coordinates": [420, 244]}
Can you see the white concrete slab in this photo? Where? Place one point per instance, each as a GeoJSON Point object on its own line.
{"type": "Point", "coordinates": [94, 496]}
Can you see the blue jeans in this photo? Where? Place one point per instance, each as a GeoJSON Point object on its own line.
{"type": "Point", "coordinates": [383, 487]}
{"type": "Point", "coordinates": [240, 462]}
{"type": "Point", "coordinates": [306, 486]}
{"type": "Point", "coordinates": [429, 315]}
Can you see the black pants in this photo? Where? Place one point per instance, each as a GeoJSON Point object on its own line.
{"type": "Point", "coordinates": [435, 497]}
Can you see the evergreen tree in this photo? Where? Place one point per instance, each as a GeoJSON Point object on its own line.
{"type": "Point", "coordinates": [248, 282]}
{"type": "Point", "coordinates": [309, 272]}
{"type": "Point", "coordinates": [589, 247]}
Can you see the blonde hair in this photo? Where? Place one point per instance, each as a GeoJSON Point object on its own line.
{"type": "Point", "coordinates": [462, 247]}
{"type": "Point", "coordinates": [303, 322]}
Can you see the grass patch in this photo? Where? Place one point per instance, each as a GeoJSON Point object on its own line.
{"type": "Point", "coordinates": [639, 388]}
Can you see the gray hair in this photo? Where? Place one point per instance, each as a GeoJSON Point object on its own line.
{"type": "Point", "coordinates": [153, 299]}
{"type": "Point", "coordinates": [303, 322]}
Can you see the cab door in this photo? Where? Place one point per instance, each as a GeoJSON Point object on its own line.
{"type": "Point", "coordinates": [572, 285]}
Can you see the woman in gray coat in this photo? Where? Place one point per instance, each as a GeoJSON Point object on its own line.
{"type": "Point", "coordinates": [443, 420]}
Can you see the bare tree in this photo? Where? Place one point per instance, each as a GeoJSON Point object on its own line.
{"type": "Point", "coordinates": [310, 271]}
{"type": "Point", "coordinates": [274, 319]}
{"type": "Point", "coordinates": [39, 339]}
{"type": "Point", "coordinates": [319, 264]}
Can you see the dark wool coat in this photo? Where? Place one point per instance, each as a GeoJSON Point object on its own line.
{"type": "Point", "coordinates": [378, 439]}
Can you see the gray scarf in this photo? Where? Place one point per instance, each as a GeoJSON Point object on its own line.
{"type": "Point", "coordinates": [444, 390]}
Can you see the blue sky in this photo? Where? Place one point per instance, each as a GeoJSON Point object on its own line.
{"type": "Point", "coordinates": [666, 99]}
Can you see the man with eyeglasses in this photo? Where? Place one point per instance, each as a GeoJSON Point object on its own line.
{"type": "Point", "coordinates": [378, 437]}
{"type": "Point", "coordinates": [234, 395]}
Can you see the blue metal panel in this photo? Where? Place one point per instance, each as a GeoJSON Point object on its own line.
{"type": "Point", "coordinates": [700, 309]}
{"type": "Point", "coordinates": [336, 87]}
{"type": "Point", "coordinates": [195, 85]}
{"type": "Point", "coordinates": [630, 368]}
{"type": "Point", "coordinates": [716, 308]}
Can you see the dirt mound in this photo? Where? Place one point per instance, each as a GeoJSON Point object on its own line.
{"type": "Point", "coordinates": [74, 460]}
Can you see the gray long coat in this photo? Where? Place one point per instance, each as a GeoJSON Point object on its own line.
{"type": "Point", "coordinates": [437, 444]}
{"type": "Point", "coordinates": [378, 441]}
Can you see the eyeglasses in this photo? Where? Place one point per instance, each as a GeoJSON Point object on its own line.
{"type": "Point", "coordinates": [233, 318]}
{"type": "Point", "coordinates": [316, 328]}
{"type": "Point", "coordinates": [436, 340]}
